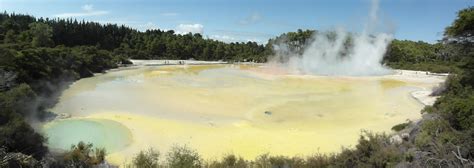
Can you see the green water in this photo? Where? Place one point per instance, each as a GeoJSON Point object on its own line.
{"type": "Point", "coordinates": [107, 134]}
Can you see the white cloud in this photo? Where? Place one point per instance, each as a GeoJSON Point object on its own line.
{"type": "Point", "coordinates": [88, 7]}
{"type": "Point", "coordinates": [118, 22]}
{"type": "Point", "coordinates": [240, 36]}
{"type": "Point", "coordinates": [255, 40]}
{"type": "Point", "coordinates": [253, 18]}
{"type": "Point", "coordinates": [88, 10]}
{"type": "Point", "coordinates": [139, 25]}
{"type": "Point", "coordinates": [244, 33]}
{"type": "Point", "coordinates": [149, 26]}
{"type": "Point", "coordinates": [224, 38]}
{"type": "Point", "coordinates": [231, 38]}
{"type": "Point", "coordinates": [170, 14]}
{"type": "Point", "coordinates": [190, 28]}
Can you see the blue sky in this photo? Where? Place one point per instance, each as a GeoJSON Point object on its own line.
{"type": "Point", "coordinates": [254, 20]}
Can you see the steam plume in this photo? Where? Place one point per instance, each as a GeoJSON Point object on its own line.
{"type": "Point", "coordinates": [339, 52]}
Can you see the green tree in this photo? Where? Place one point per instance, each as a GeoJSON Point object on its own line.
{"type": "Point", "coordinates": [463, 25]}
{"type": "Point", "coordinates": [42, 34]}
{"type": "Point", "coordinates": [10, 37]}
{"type": "Point", "coordinates": [15, 133]}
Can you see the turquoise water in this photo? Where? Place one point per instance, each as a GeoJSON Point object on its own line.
{"type": "Point", "coordinates": [107, 134]}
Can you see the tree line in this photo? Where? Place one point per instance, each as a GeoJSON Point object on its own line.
{"type": "Point", "coordinates": [122, 40]}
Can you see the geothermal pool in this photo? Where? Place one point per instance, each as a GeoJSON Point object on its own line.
{"type": "Point", "coordinates": [246, 110]}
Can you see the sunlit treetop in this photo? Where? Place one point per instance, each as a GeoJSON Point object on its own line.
{"type": "Point", "coordinates": [463, 25]}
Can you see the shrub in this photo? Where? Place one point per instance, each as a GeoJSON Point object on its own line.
{"type": "Point", "coordinates": [458, 109]}
{"type": "Point", "coordinates": [262, 161]}
{"type": "Point", "coordinates": [320, 160]}
{"type": "Point", "coordinates": [83, 155]}
{"type": "Point", "coordinates": [401, 126]}
{"type": "Point", "coordinates": [373, 150]}
{"type": "Point", "coordinates": [437, 129]}
{"type": "Point", "coordinates": [183, 157]}
{"type": "Point", "coordinates": [146, 159]}
{"type": "Point", "coordinates": [229, 161]}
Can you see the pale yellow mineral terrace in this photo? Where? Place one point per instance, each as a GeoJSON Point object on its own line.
{"type": "Point", "coordinates": [246, 110]}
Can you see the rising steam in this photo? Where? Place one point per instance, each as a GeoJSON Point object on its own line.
{"type": "Point", "coordinates": [339, 52]}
